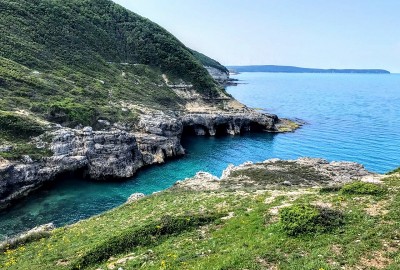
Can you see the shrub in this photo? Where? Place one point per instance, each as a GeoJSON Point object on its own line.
{"type": "Point", "coordinates": [363, 188]}
{"type": "Point", "coordinates": [17, 126]}
{"type": "Point", "coordinates": [306, 218]}
{"type": "Point", "coordinates": [330, 189]}
{"type": "Point", "coordinates": [71, 113]}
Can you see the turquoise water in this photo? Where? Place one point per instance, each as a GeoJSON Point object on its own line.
{"type": "Point", "coordinates": [350, 117]}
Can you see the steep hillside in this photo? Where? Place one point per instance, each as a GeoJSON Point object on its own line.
{"type": "Point", "coordinates": [73, 62]}
{"type": "Point", "coordinates": [303, 214]}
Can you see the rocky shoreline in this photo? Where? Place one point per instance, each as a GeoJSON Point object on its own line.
{"type": "Point", "coordinates": [274, 174]}
{"type": "Point", "coordinates": [118, 152]}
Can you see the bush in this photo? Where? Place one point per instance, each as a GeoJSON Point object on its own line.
{"type": "Point", "coordinates": [363, 188]}
{"type": "Point", "coordinates": [13, 126]}
{"type": "Point", "coordinates": [306, 218]}
{"type": "Point", "coordinates": [71, 113]}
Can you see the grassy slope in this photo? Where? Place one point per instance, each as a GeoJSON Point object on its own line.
{"type": "Point", "coordinates": [251, 238]}
{"type": "Point", "coordinates": [74, 62]}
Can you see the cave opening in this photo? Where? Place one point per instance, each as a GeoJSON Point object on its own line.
{"type": "Point", "coordinates": [222, 129]}
{"type": "Point", "coordinates": [252, 127]}
{"type": "Point", "coordinates": [195, 130]}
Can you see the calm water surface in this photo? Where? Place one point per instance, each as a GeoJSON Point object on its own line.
{"type": "Point", "coordinates": [350, 117]}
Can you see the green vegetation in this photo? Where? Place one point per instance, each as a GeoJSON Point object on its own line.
{"type": "Point", "coordinates": [296, 228]}
{"type": "Point", "coordinates": [292, 174]}
{"type": "Point", "coordinates": [13, 125]}
{"type": "Point", "coordinates": [16, 131]}
{"type": "Point", "coordinates": [305, 218]}
{"type": "Point", "coordinates": [152, 233]}
{"type": "Point", "coordinates": [394, 171]}
{"type": "Point", "coordinates": [207, 61]}
{"type": "Point", "coordinates": [363, 188]}
{"type": "Point", "coordinates": [74, 62]}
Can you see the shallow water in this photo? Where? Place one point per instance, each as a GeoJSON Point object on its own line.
{"type": "Point", "coordinates": [350, 117]}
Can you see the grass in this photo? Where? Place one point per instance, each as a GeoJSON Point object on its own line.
{"type": "Point", "coordinates": [305, 218]}
{"type": "Point", "coordinates": [363, 188]}
{"type": "Point", "coordinates": [16, 130]}
{"type": "Point", "coordinates": [250, 235]}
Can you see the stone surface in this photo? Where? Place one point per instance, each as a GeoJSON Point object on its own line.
{"type": "Point", "coordinates": [201, 181]}
{"type": "Point", "coordinates": [6, 148]}
{"type": "Point", "coordinates": [229, 123]}
{"type": "Point", "coordinates": [35, 233]}
{"type": "Point", "coordinates": [273, 174]}
{"type": "Point", "coordinates": [218, 75]}
{"type": "Point", "coordinates": [134, 197]}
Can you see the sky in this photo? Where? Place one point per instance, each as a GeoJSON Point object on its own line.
{"type": "Point", "coordinates": [306, 33]}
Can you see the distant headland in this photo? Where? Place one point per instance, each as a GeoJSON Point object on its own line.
{"type": "Point", "coordinates": [291, 69]}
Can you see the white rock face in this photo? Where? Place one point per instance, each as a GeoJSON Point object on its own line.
{"type": "Point", "coordinates": [218, 75]}
{"type": "Point", "coordinates": [201, 181]}
{"type": "Point", "coordinates": [134, 197]}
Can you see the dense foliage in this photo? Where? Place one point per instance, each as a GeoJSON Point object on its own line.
{"type": "Point", "coordinates": [86, 34]}
{"type": "Point", "coordinates": [363, 188]}
{"type": "Point", "coordinates": [19, 126]}
{"type": "Point", "coordinates": [77, 61]}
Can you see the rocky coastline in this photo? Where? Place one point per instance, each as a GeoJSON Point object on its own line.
{"type": "Point", "coordinates": [275, 174]}
{"type": "Point", "coordinates": [117, 151]}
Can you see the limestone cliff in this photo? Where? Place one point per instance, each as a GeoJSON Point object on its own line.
{"type": "Point", "coordinates": [118, 152]}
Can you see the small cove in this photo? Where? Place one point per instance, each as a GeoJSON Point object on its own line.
{"type": "Point", "coordinates": [352, 117]}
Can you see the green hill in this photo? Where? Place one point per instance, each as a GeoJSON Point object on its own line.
{"type": "Point", "coordinates": [73, 62]}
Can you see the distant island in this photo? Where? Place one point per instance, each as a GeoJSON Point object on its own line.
{"type": "Point", "coordinates": [291, 69]}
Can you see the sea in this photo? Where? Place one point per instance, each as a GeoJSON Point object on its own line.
{"type": "Point", "coordinates": [348, 117]}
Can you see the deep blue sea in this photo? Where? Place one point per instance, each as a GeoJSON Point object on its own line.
{"type": "Point", "coordinates": [352, 117]}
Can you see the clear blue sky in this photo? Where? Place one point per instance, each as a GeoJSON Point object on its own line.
{"type": "Point", "coordinates": [308, 33]}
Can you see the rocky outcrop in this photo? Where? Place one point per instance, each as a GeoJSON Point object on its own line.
{"type": "Point", "coordinates": [276, 173]}
{"type": "Point", "coordinates": [101, 154]}
{"type": "Point", "coordinates": [219, 75]}
{"type": "Point", "coordinates": [135, 197]}
{"type": "Point", "coordinates": [232, 123]}
{"type": "Point", "coordinates": [105, 154]}
{"type": "Point", "coordinates": [36, 233]}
